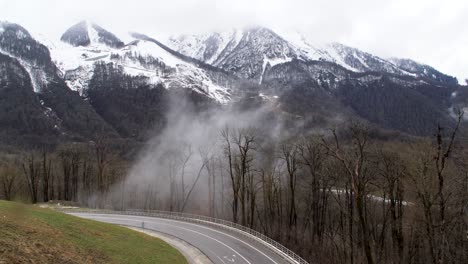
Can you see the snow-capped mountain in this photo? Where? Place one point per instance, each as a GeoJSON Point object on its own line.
{"type": "Point", "coordinates": [321, 76]}
{"type": "Point", "coordinates": [246, 53]}
{"type": "Point", "coordinates": [34, 97]}
{"type": "Point", "coordinates": [16, 42]}
{"type": "Point", "coordinates": [250, 52]}
{"type": "Point", "coordinates": [86, 33]}
{"type": "Point", "coordinates": [85, 44]}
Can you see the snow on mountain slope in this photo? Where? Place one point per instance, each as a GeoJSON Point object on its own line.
{"type": "Point", "coordinates": [251, 53]}
{"type": "Point", "coordinates": [310, 50]}
{"type": "Point", "coordinates": [206, 47]}
{"type": "Point", "coordinates": [179, 73]}
{"type": "Point", "coordinates": [245, 52]}
{"type": "Point", "coordinates": [362, 61]}
{"type": "Point", "coordinates": [86, 33]}
{"type": "Point", "coordinates": [224, 49]}
{"type": "Point", "coordinates": [35, 70]}
{"type": "Point", "coordinates": [37, 75]}
{"type": "Point", "coordinates": [423, 70]}
{"type": "Point", "coordinates": [350, 58]}
{"type": "Point", "coordinates": [137, 58]}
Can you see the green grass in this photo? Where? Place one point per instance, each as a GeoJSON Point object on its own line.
{"type": "Point", "coordinates": [35, 235]}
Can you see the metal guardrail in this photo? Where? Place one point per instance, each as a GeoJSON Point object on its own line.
{"type": "Point", "coordinates": [219, 223]}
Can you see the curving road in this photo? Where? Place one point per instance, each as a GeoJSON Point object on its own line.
{"type": "Point", "coordinates": [220, 246]}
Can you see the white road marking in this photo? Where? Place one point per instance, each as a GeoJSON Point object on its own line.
{"type": "Point", "coordinates": [214, 253]}
{"type": "Point", "coordinates": [136, 220]}
{"type": "Point", "coordinates": [229, 259]}
{"type": "Point", "coordinates": [201, 226]}
{"type": "Point", "coordinates": [230, 237]}
{"type": "Point", "coordinates": [214, 240]}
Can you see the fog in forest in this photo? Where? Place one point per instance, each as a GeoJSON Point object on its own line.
{"type": "Point", "coordinates": [180, 167]}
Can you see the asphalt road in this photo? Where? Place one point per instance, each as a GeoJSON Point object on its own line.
{"type": "Point", "coordinates": [218, 245]}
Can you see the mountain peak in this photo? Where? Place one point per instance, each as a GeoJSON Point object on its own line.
{"type": "Point", "coordinates": [77, 35]}
{"type": "Point", "coordinates": [86, 33]}
{"type": "Point", "coordinates": [246, 52]}
{"type": "Point", "coordinates": [20, 32]}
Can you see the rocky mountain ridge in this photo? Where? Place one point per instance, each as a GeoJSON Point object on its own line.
{"type": "Point", "coordinates": [91, 82]}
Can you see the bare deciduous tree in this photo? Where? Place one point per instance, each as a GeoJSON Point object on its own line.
{"type": "Point", "coordinates": [8, 175]}
{"type": "Point", "coordinates": [354, 161]}
{"type": "Point", "coordinates": [31, 170]}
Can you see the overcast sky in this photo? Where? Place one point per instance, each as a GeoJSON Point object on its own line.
{"type": "Point", "coordinates": [430, 31]}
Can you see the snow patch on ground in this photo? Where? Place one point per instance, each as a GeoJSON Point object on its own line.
{"type": "Point", "coordinates": [92, 33]}
{"type": "Point", "coordinates": [148, 48]}
{"type": "Point", "coordinates": [369, 196]}
{"type": "Point", "coordinates": [276, 61]}
{"type": "Point", "coordinates": [50, 113]}
{"type": "Point", "coordinates": [220, 94]}
{"type": "Point", "coordinates": [36, 74]}
{"type": "Point", "coordinates": [79, 78]}
{"type": "Point", "coordinates": [370, 78]}
{"type": "Point", "coordinates": [272, 62]}
{"type": "Point", "coordinates": [20, 34]}
{"type": "Point", "coordinates": [268, 97]}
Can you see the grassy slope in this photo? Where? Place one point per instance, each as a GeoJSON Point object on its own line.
{"type": "Point", "coordinates": [35, 235]}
